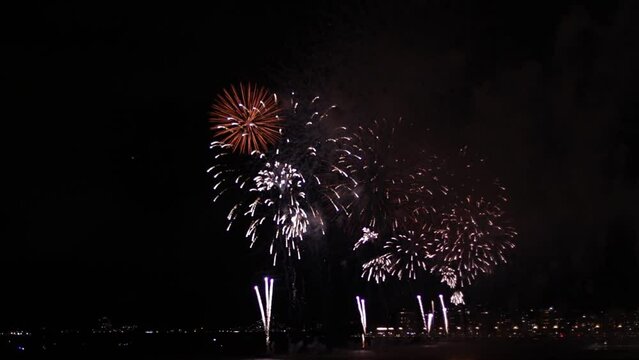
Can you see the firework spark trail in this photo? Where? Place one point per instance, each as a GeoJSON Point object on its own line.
{"type": "Point", "coordinates": [266, 313]}
{"type": "Point", "coordinates": [247, 120]}
{"type": "Point", "coordinates": [427, 192]}
{"type": "Point", "coordinates": [226, 177]}
{"type": "Point", "coordinates": [444, 312]}
{"type": "Point", "coordinates": [377, 268]}
{"type": "Point", "coordinates": [361, 307]}
{"type": "Point", "coordinates": [421, 310]}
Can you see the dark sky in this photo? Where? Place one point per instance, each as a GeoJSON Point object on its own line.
{"type": "Point", "coordinates": [108, 207]}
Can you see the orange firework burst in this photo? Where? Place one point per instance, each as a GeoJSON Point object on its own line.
{"type": "Point", "coordinates": [247, 120]}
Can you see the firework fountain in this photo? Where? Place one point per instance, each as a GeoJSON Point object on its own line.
{"type": "Point", "coordinates": [431, 315]}
{"type": "Point", "coordinates": [361, 307]}
{"type": "Point", "coordinates": [290, 171]}
{"type": "Point", "coordinates": [444, 312]}
{"type": "Point", "coordinates": [421, 310]}
{"type": "Point", "coordinates": [266, 312]}
{"type": "Point", "coordinates": [430, 321]}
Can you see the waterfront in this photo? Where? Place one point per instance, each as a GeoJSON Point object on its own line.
{"type": "Point", "coordinates": [210, 345]}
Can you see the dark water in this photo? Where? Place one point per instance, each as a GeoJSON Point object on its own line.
{"type": "Point", "coordinates": [251, 346]}
{"type": "Point", "coordinates": [487, 350]}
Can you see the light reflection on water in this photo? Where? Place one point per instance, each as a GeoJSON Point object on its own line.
{"type": "Point", "coordinates": [483, 351]}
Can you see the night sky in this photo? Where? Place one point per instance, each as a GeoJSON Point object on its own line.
{"type": "Point", "coordinates": [108, 207]}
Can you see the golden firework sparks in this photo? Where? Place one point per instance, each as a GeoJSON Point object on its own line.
{"type": "Point", "coordinates": [247, 119]}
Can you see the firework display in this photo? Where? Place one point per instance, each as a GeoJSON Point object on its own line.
{"type": "Point", "coordinates": [428, 194]}
{"type": "Point", "coordinates": [456, 227]}
{"type": "Point", "coordinates": [247, 119]}
{"type": "Point", "coordinates": [282, 189]}
{"type": "Point", "coordinates": [408, 254]}
{"type": "Point", "coordinates": [376, 193]}
{"type": "Point", "coordinates": [279, 193]}
{"type": "Point", "coordinates": [288, 173]}
{"type": "Point", "coordinates": [405, 255]}
{"type": "Point", "coordinates": [474, 232]}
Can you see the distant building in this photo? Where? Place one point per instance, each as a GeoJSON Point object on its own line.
{"type": "Point", "coordinates": [409, 321]}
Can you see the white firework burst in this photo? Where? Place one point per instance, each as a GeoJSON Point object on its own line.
{"type": "Point", "coordinates": [457, 298]}
{"type": "Point", "coordinates": [448, 276]}
{"type": "Point", "coordinates": [367, 236]}
{"type": "Point", "coordinates": [408, 253]}
{"type": "Point", "coordinates": [281, 198]}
